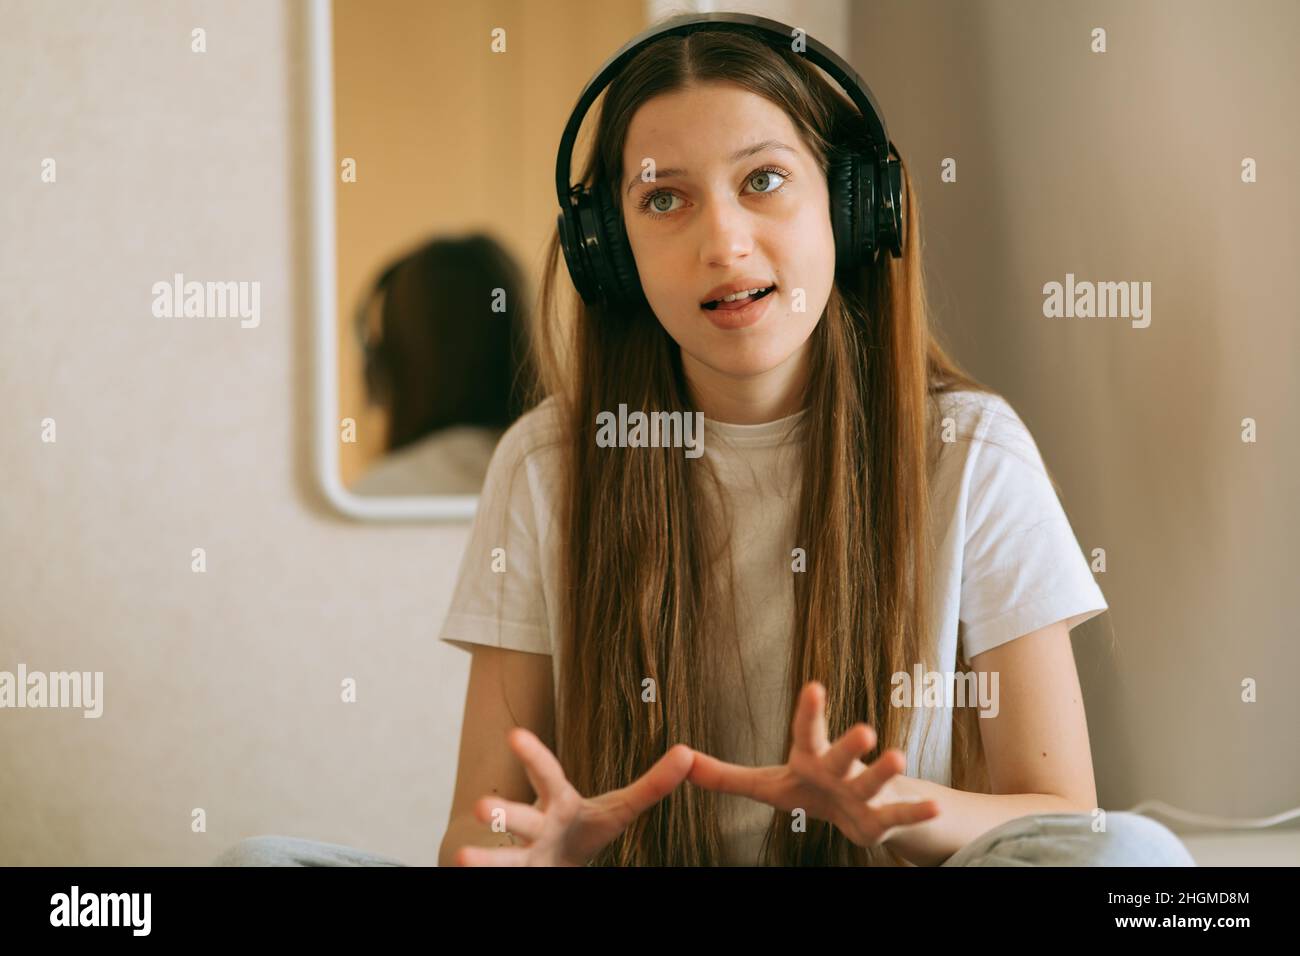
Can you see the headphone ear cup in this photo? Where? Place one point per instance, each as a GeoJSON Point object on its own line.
{"type": "Point", "coordinates": [373, 369]}
{"type": "Point", "coordinates": [848, 194]}
{"type": "Point", "coordinates": [890, 226]}
{"type": "Point", "coordinates": [575, 247]}
{"type": "Point", "coordinates": [618, 258]}
{"type": "Point", "coordinates": [596, 251]}
{"type": "Point", "coordinates": [866, 206]}
{"type": "Point", "coordinates": [376, 377]}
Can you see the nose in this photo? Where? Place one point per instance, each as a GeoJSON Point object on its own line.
{"type": "Point", "coordinates": [726, 232]}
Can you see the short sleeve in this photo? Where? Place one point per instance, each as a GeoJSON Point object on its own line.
{"type": "Point", "coordinates": [1022, 566]}
{"type": "Point", "coordinates": [499, 599]}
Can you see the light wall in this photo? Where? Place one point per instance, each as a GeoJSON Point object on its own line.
{"type": "Point", "coordinates": [222, 689]}
{"type": "Point", "coordinates": [1126, 165]}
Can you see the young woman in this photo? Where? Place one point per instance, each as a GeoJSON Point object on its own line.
{"type": "Point", "coordinates": [727, 659]}
{"type": "Point", "coordinates": [654, 622]}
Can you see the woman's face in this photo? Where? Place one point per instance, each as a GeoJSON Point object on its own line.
{"type": "Point", "coordinates": [711, 217]}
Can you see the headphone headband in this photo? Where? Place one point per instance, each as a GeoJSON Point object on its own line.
{"type": "Point", "coordinates": [772, 32]}
{"type": "Point", "coordinates": [864, 178]}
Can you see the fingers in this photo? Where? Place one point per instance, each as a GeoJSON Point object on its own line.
{"type": "Point", "coordinates": [659, 781]}
{"type": "Point", "coordinates": [521, 819]}
{"type": "Point", "coordinates": [810, 719]}
{"type": "Point", "coordinates": [544, 771]}
{"type": "Point", "coordinates": [857, 740]}
{"type": "Point", "coordinates": [714, 774]}
{"type": "Point", "coordinates": [491, 856]}
{"type": "Point", "coordinates": [889, 764]}
{"type": "Point", "coordinates": [904, 814]}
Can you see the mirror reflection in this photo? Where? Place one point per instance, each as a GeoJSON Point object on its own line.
{"type": "Point", "coordinates": [443, 337]}
{"type": "Point", "coordinates": [446, 119]}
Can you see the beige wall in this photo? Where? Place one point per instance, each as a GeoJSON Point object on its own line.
{"type": "Point", "coordinates": [223, 688]}
{"type": "Point", "coordinates": [1126, 166]}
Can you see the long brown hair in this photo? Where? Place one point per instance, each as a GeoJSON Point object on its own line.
{"type": "Point", "coordinates": [641, 548]}
{"type": "Point", "coordinates": [443, 356]}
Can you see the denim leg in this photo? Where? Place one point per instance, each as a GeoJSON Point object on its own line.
{"type": "Point", "coordinates": [1067, 839]}
{"type": "Point", "coordinates": [293, 851]}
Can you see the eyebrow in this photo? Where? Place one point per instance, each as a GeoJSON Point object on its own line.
{"type": "Point", "coordinates": [735, 157]}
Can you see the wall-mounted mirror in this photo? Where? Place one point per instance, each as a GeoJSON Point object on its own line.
{"type": "Point", "coordinates": [435, 125]}
{"type": "Point", "coordinates": [434, 130]}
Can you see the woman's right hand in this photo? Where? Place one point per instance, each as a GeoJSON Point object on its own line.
{"type": "Point", "coordinates": [566, 828]}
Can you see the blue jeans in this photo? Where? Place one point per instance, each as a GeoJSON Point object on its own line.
{"type": "Point", "coordinates": [294, 851]}
{"type": "Point", "coordinates": [1067, 839]}
{"type": "Point", "coordinates": [1044, 839]}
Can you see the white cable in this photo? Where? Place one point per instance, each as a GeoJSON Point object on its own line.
{"type": "Point", "coordinates": [1224, 823]}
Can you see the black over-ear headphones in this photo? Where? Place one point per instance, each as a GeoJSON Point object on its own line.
{"type": "Point", "coordinates": [375, 374]}
{"type": "Point", "coordinates": [865, 187]}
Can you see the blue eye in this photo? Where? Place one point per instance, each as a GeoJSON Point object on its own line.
{"type": "Point", "coordinates": [655, 197]}
{"type": "Point", "coordinates": [644, 204]}
{"type": "Point", "coordinates": [768, 174]}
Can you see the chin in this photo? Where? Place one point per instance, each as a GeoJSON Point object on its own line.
{"type": "Point", "coordinates": [743, 359]}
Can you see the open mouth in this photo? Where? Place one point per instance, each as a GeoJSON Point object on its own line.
{"type": "Point", "coordinates": [737, 303]}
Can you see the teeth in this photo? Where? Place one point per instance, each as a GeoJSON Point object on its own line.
{"type": "Point", "coordinates": [740, 295]}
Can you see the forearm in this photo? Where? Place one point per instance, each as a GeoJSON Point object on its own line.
{"type": "Point", "coordinates": [962, 817]}
{"type": "Point", "coordinates": [466, 830]}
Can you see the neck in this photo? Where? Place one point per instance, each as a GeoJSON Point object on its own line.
{"type": "Point", "coordinates": [752, 399]}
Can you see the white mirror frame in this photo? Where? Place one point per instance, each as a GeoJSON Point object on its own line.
{"type": "Point", "coordinates": [325, 303]}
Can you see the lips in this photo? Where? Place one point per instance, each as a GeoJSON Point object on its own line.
{"type": "Point", "coordinates": [744, 314]}
{"type": "Point", "coordinates": [738, 284]}
{"type": "Point", "coordinates": [718, 305]}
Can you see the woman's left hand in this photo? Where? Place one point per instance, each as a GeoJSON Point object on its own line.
{"type": "Point", "coordinates": [826, 780]}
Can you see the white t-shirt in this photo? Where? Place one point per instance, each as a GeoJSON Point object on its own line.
{"type": "Point", "coordinates": [1008, 563]}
